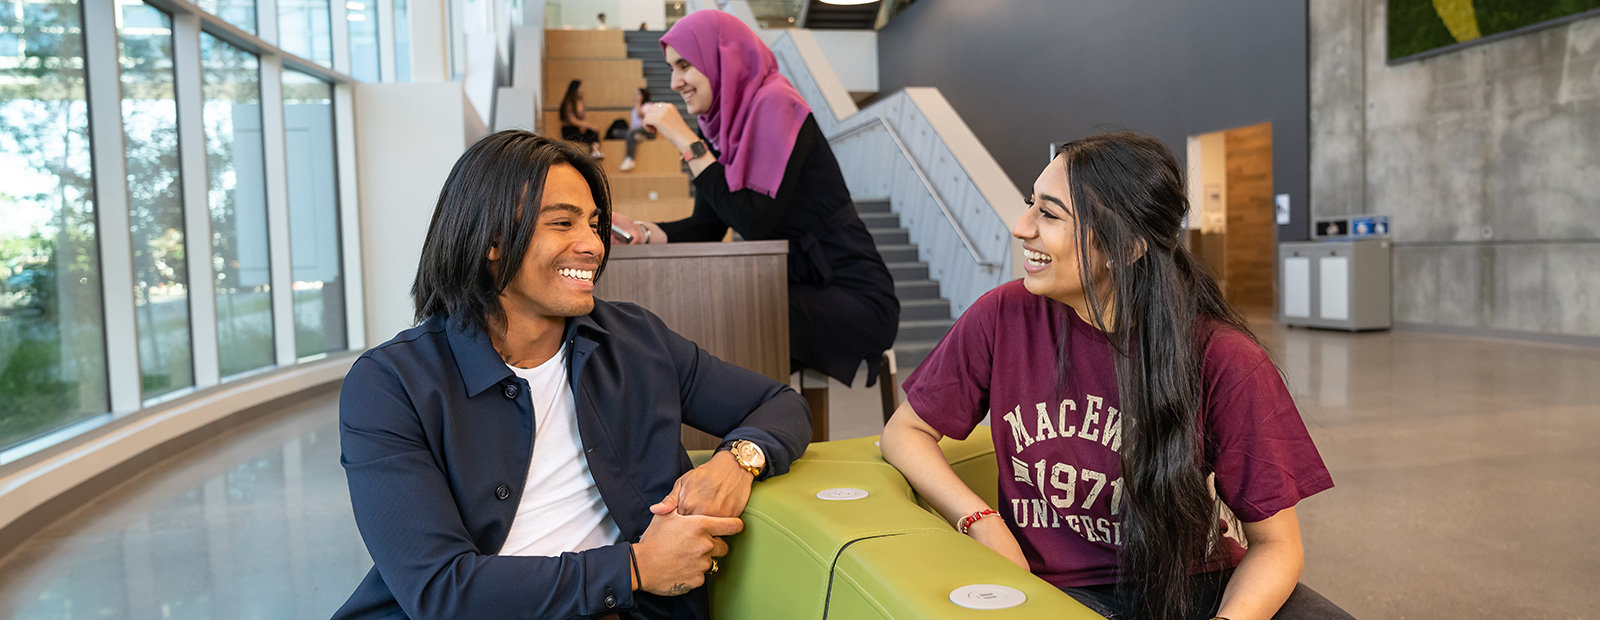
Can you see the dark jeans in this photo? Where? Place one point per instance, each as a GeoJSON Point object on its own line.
{"type": "Point", "coordinates": [572, 134]}
{"type": "Point", "coordinates": [1303, 604]}
{"type": "Point", "coordinates": [636, 134]}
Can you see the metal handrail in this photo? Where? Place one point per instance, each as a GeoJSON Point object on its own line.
{"type": "Point", "coordinates": [961, 233]}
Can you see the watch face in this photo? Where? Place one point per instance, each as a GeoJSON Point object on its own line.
{"type": "Point", "coordinates": [751, 455]}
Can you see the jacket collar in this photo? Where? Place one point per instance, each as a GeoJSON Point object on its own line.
{"type": "Point", "coordinates": [481, 366]}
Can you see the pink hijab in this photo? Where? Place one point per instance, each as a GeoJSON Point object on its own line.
{"type": "Point", "coordinates": [755, 114]}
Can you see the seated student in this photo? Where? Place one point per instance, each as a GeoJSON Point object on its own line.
{"type": "Point", "coordinates": [574, 124]}
{"type": "Point", "coordinates": [1121, 390]}
{"type": "Point", "coordinates": [503, 456]}
{"type": "Point", "coordinates": [636, 129]}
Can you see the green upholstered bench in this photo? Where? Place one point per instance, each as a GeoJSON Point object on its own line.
{"type": "Point", "coordinates": [881, 556]}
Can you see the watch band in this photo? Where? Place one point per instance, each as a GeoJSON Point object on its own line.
{"type": "Point", "coordinates": [695, 151]}
{"type": "Point", "coordinates": [732, 446]}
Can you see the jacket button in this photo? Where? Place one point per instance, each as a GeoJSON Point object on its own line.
{"type": "Point", "coordinates": [611, 601]}
{"type": "Point", "coordinates": [502, 491]}
{"type": "Point", "coordinates": [511, 392]}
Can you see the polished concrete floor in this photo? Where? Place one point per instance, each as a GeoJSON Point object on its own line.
{"type": "Point", "coordinates": [1468, 475]}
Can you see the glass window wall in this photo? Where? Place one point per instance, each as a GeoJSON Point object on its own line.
{"type": "Point", "coordinates": [155, 193]}
{"type": "Point", "coordinates": [52, 344]}
{"type": "Point", "coordinates": [313, 215]}
{"type": "Point", "coordinates": [237, 198]}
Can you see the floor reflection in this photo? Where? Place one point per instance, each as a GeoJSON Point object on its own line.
{"type": "Point", "coordinates": [254, 525]}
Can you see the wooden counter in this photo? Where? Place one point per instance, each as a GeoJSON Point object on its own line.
{"type": "Point", "coordinates": [732, 299]}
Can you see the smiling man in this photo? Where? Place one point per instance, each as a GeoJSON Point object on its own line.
{"type": "Point", "coordinates": [517, 454]}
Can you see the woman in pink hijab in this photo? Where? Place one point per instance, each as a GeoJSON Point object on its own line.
{"type": "Point", "coordinates": [765, 170]}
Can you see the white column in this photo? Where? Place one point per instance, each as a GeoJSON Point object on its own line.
{"type": "Point", "coordinates": [430, 42]}
{"type": "Point", "coordinates": [113, 230]}
{"type": "Point", "coordinates": [196, 201]}
{"type": "Point", "coordinates": [276, 163]}
{"type": "Point", "coordinates": [344, 135]}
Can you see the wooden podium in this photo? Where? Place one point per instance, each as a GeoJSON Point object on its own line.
{"type": "Point", "coordinates": [732, 299]}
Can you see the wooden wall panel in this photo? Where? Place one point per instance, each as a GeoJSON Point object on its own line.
{"type": "Point", "coordinates": [1249, 249]}
{"type": "Point", "coordinates": [664, 210]}
{"type": "Point", "coordinates": [585, 44]}
{"type": "Point", "coordinates": [732, 299]}
{"type": "Point", "coordinates": [607, 83]}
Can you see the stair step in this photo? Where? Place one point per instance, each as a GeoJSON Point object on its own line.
{"type": "Point", "coordinates": [931, 330]}
{"type": "Point", "coordinates": [890, 236]}
{"type": "Point", "coordinates": [916, 289]}
{"type": "Point", "coordinates": [924, 309]}
{"type": "Point", "coordinates": [909, 355]}
{"type": "Point", "coordinates": [908, 271]}
{"type": "Point", "coordinates": [898, 253]}
{"type": "Point", "coordinates": [881, 220]}
{"type": "Point", "coordinates": [873, 206]}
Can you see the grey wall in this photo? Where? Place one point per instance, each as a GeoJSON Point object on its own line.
{"type": "Point", "coordinates": [1487, 159]}
{"type": "Point", "coordinates": [1025, 73]}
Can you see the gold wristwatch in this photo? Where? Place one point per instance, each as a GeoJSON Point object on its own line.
{"type": "Point", "coordinates": [747, 454]}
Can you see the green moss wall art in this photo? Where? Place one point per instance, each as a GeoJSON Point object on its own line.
{"type": "Point", "coordinates": [1422, 28]}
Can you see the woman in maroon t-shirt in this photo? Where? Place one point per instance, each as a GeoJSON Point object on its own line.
{"type": "Point", "coordinates": [1126, 399]}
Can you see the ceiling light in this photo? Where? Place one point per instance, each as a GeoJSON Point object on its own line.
{"type": "Point", "coordinates": [355, 6]}
{"type": "Point", "coordinates": [356, 17]}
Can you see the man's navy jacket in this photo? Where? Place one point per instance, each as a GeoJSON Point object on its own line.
{"type": "Point", "coordinates": [437, 434]}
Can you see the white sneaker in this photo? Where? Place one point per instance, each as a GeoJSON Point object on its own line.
{"type": "Point", "coordinates": [598, 154]}
{"type": "Point", "coordinates": [627, 164]}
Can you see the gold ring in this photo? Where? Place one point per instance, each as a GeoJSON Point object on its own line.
{"type": "Point", "coordinates": [714, 567]}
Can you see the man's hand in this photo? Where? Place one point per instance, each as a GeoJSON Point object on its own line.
{"type": "Point", "coordinates": [719, 488]}
{"type": "Point", "coordinates": [676, 550]}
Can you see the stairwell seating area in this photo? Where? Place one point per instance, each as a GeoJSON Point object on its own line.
{"type": "Point", "coordinates": [657, 189]}
{"type": "Point", "coordinates": [612, 64]}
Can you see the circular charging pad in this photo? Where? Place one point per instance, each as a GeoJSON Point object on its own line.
{"type": "Point", "coordinates": [841, 494]}
{"type": "Point", "coordinates": [987, 596]}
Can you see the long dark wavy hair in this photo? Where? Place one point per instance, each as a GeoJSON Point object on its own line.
{"type": "Point", "coordinates": [1128, 196]}
{"type": "Point", "coordinates": [491, 199]}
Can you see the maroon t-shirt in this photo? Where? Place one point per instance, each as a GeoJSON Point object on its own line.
{"type": "Point", "coordinates": [1058, 442]}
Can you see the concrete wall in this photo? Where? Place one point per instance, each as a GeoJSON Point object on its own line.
{"type": "Point", "coordinates": [1025, 73]}
{"type": "Point", "coordinates": [1485, 159]}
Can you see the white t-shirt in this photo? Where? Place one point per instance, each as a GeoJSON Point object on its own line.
{"type": "Point", "coordinates": [561, 509]}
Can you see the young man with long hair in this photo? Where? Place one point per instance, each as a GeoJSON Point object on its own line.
{"type": "Point", "coordinates": [517, 454]}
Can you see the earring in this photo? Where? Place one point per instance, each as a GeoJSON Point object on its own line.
{"type": "Point", "coordinates": [1108, 264]}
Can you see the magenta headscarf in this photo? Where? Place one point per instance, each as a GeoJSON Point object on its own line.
{"type": "Point", "coordinates": [755, 114]}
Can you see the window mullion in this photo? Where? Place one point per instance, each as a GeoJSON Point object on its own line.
{"type": "Point", "coordinates": [113, 227]}
{"type": "Point", "coordinates": [386, 39]}
{"type": "Point", "coordinates": [277, 183]}
{"type": "Point", "coordinates": [349, 214]}
{"type": "Point", "coordinates": [196, 203]}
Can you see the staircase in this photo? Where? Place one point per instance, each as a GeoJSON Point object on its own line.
{"type": "Point", "coordinates": [924, 315]}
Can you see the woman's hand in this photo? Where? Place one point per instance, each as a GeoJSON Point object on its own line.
{"type": "Point", "coordinates": [665, 120]}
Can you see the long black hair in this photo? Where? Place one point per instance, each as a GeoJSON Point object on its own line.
{"type": "Point", "coordinates": [569, 101]}
{"type": "Point", "coordinates": [1128, 196]}
{"type": "Point", "coordinates": [491, 199]}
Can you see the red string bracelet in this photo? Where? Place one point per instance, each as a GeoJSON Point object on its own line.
{"type": "Point", "coordinates": [967, 521]}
